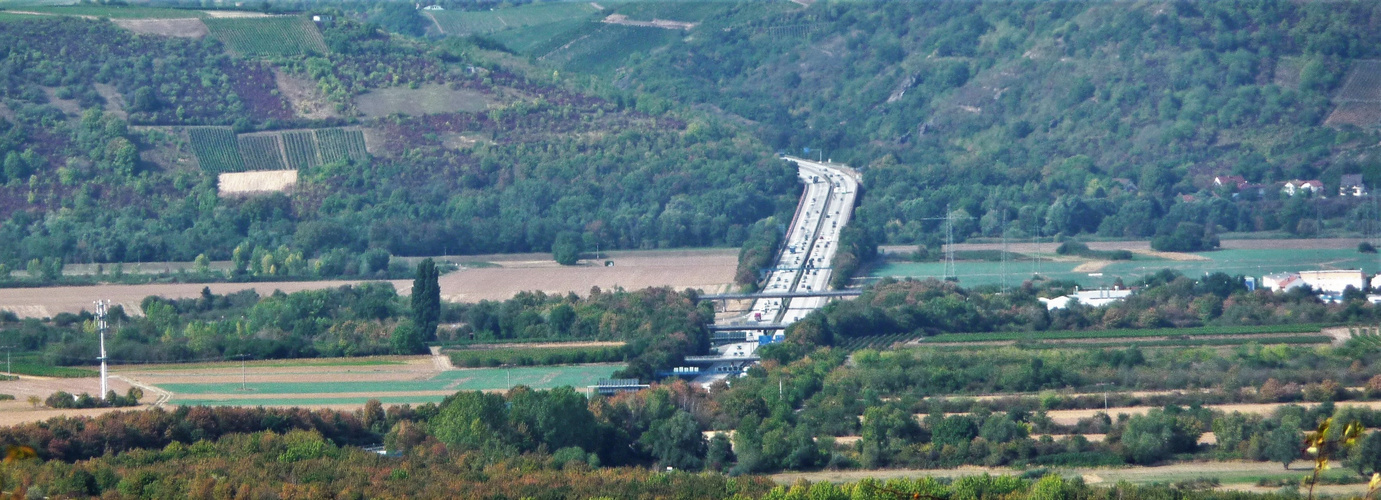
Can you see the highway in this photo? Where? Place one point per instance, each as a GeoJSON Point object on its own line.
{"type": "Point", "coordinates": [803, 264]}
{"type": "Point", "coordinates": [810, 242]}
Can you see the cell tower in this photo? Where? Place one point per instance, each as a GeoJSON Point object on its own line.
{"type": "Point", "coordinates": [101, 326]}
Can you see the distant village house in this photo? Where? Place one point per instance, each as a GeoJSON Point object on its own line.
{"type": "Point", "coordinates": [1352, 185]}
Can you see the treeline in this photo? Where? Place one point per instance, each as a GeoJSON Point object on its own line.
{"type": "Point", "coordinates": [1161, 300]}
{"type": "Point", "coordinates": [658, 325]}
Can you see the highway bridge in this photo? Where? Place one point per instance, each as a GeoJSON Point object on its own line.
{"type": "Point", "coordinates": [746, 327]}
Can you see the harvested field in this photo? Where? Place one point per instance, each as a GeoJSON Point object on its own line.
{"type": "Point", "coordinates": [20, 411]}
{"type": "Point", "coordinates": [427, 99]}
{"type": "Point", "coordinates": [655, 23]}
{"type": "Point", "coordinates": [264, 181]}
{"type": "Point", "coordinates": [47, 302]}
{"type": "Point", "coordinates": [1235, 475]}
{"type": "Point", "coordinates": [708, 270]}
{"type": "Point", "coordinates": [233, 13]}
{"type": "Point", "coordinates": [711, 270]}
{"type": "Point", "coordinates": [179, 28]}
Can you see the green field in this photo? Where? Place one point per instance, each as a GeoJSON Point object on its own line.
{"type": "Point", "coordinates": [278, 35]}
{"type": "Point", "coordinates": [526, 356]}
{"type": "Point", "coordinates": [602, 48]}
{"type": "Point", "coordinates": [217, 149]}
{"type": "Point", "coordinates": [528, 39]}
{"type": "Point", "coordinates": [1245, 262]}
{"type": "Point", "coordinates": [577, 376]}
{"type": "Point", "coordinates": [481, 22]}
{"type": "Point", "coordinates": [388, 400]}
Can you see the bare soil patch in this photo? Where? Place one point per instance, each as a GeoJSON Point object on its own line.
{"type": "Point", "coordinates": [655, 23]}
{"type": "Point", "coordinates": [711, 271]}
{"type": "Point", "coordinates": [68, 106]}
{"type": "Point", "coordinates": [424, 100]}
{"type": "Point", "coordinates": [306, 98]}
{"type": "Point", "coordinates": [233, 13]}
{"type": "Point", "coordinates": [263, 181]}
{"type": "Point", "coordinates": [180, 28]}
{"type": "Point", "coordinates": [114, 101]}
{"type": "Point", "coordinates": [1092, 266]}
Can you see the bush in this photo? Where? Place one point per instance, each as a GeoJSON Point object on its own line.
{"type": "Point", "coordinates": [1365, 247]}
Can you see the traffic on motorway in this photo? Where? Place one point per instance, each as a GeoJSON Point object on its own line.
{"type": "Point", "coordinates": [803, 264]}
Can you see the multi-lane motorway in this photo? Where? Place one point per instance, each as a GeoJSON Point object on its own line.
{"type": "Point", "coordinates": [803, 264]}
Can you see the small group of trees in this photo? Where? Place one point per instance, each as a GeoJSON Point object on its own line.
{"type": "Point", "coordinates": [61, 399]}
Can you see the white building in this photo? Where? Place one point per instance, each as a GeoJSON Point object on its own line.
{"type": "Point", "coordinates": [1095, 298]}
{"type": "Point", "coordinates": [1334, 281]}
{"type": "Point", "coordinates": [1281, 282]}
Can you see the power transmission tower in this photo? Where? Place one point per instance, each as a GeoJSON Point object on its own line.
{"type": "Point", "coordinates": [950, 273]}
{"type": "Point", "coordinates": [1003, 228]}
{"type": "Point", "coordinates": [101, 326]}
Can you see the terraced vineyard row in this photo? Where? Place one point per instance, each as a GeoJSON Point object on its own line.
{"type": "Point", "coordinates": [278, 35]}
{"type": "Point", "coordinates": [338, 144]}
{"type": "Point", "coordinates": [300, 146]}
{"type": "Point", "coordinates": [262, 152]}
{"type": "Point", "coordinates": [216, 148]}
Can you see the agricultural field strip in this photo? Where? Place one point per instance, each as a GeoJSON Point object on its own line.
{"type": "Point", "coordinates": [456, 380]}
{"type": "Point", "coordinates": [328, 401]}
{"type": "Point", "coordinates": [281, 35]}
{"type": "Point", "coordinates": [220, 150]}
{"type": "Point", "coordinates": [1363, 83]}
{"type": "Point", "coordinates": [481, 22]}
{"type": "Point", "coordinates": [1113, 334]}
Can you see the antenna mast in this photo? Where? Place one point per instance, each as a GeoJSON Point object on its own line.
{"type": "Point", "coordinates": [101, 326]}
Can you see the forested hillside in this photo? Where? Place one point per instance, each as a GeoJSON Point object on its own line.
{"type": "Point", "coordinates": [100, 165]}
{"type": "Point", "coordinates": [1055, 118]}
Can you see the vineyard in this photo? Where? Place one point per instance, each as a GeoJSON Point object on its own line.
{"type": "Point", "coordinates": [280, 35]}
{"type": "Point", "coordinates": [520, 356]}
{"type": "Point", "coordinates": [261, 152]}
{"type": "Point", "coordinates": [338, 144]}
{"type": "Point", "coordinates": [300, 146]}
{"type": "Point", "coordinates": [219, 150]}
{"type": "Point", "coordinates": [216, 148]}
{"type": "Point", "coordinates": [481, 22]}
